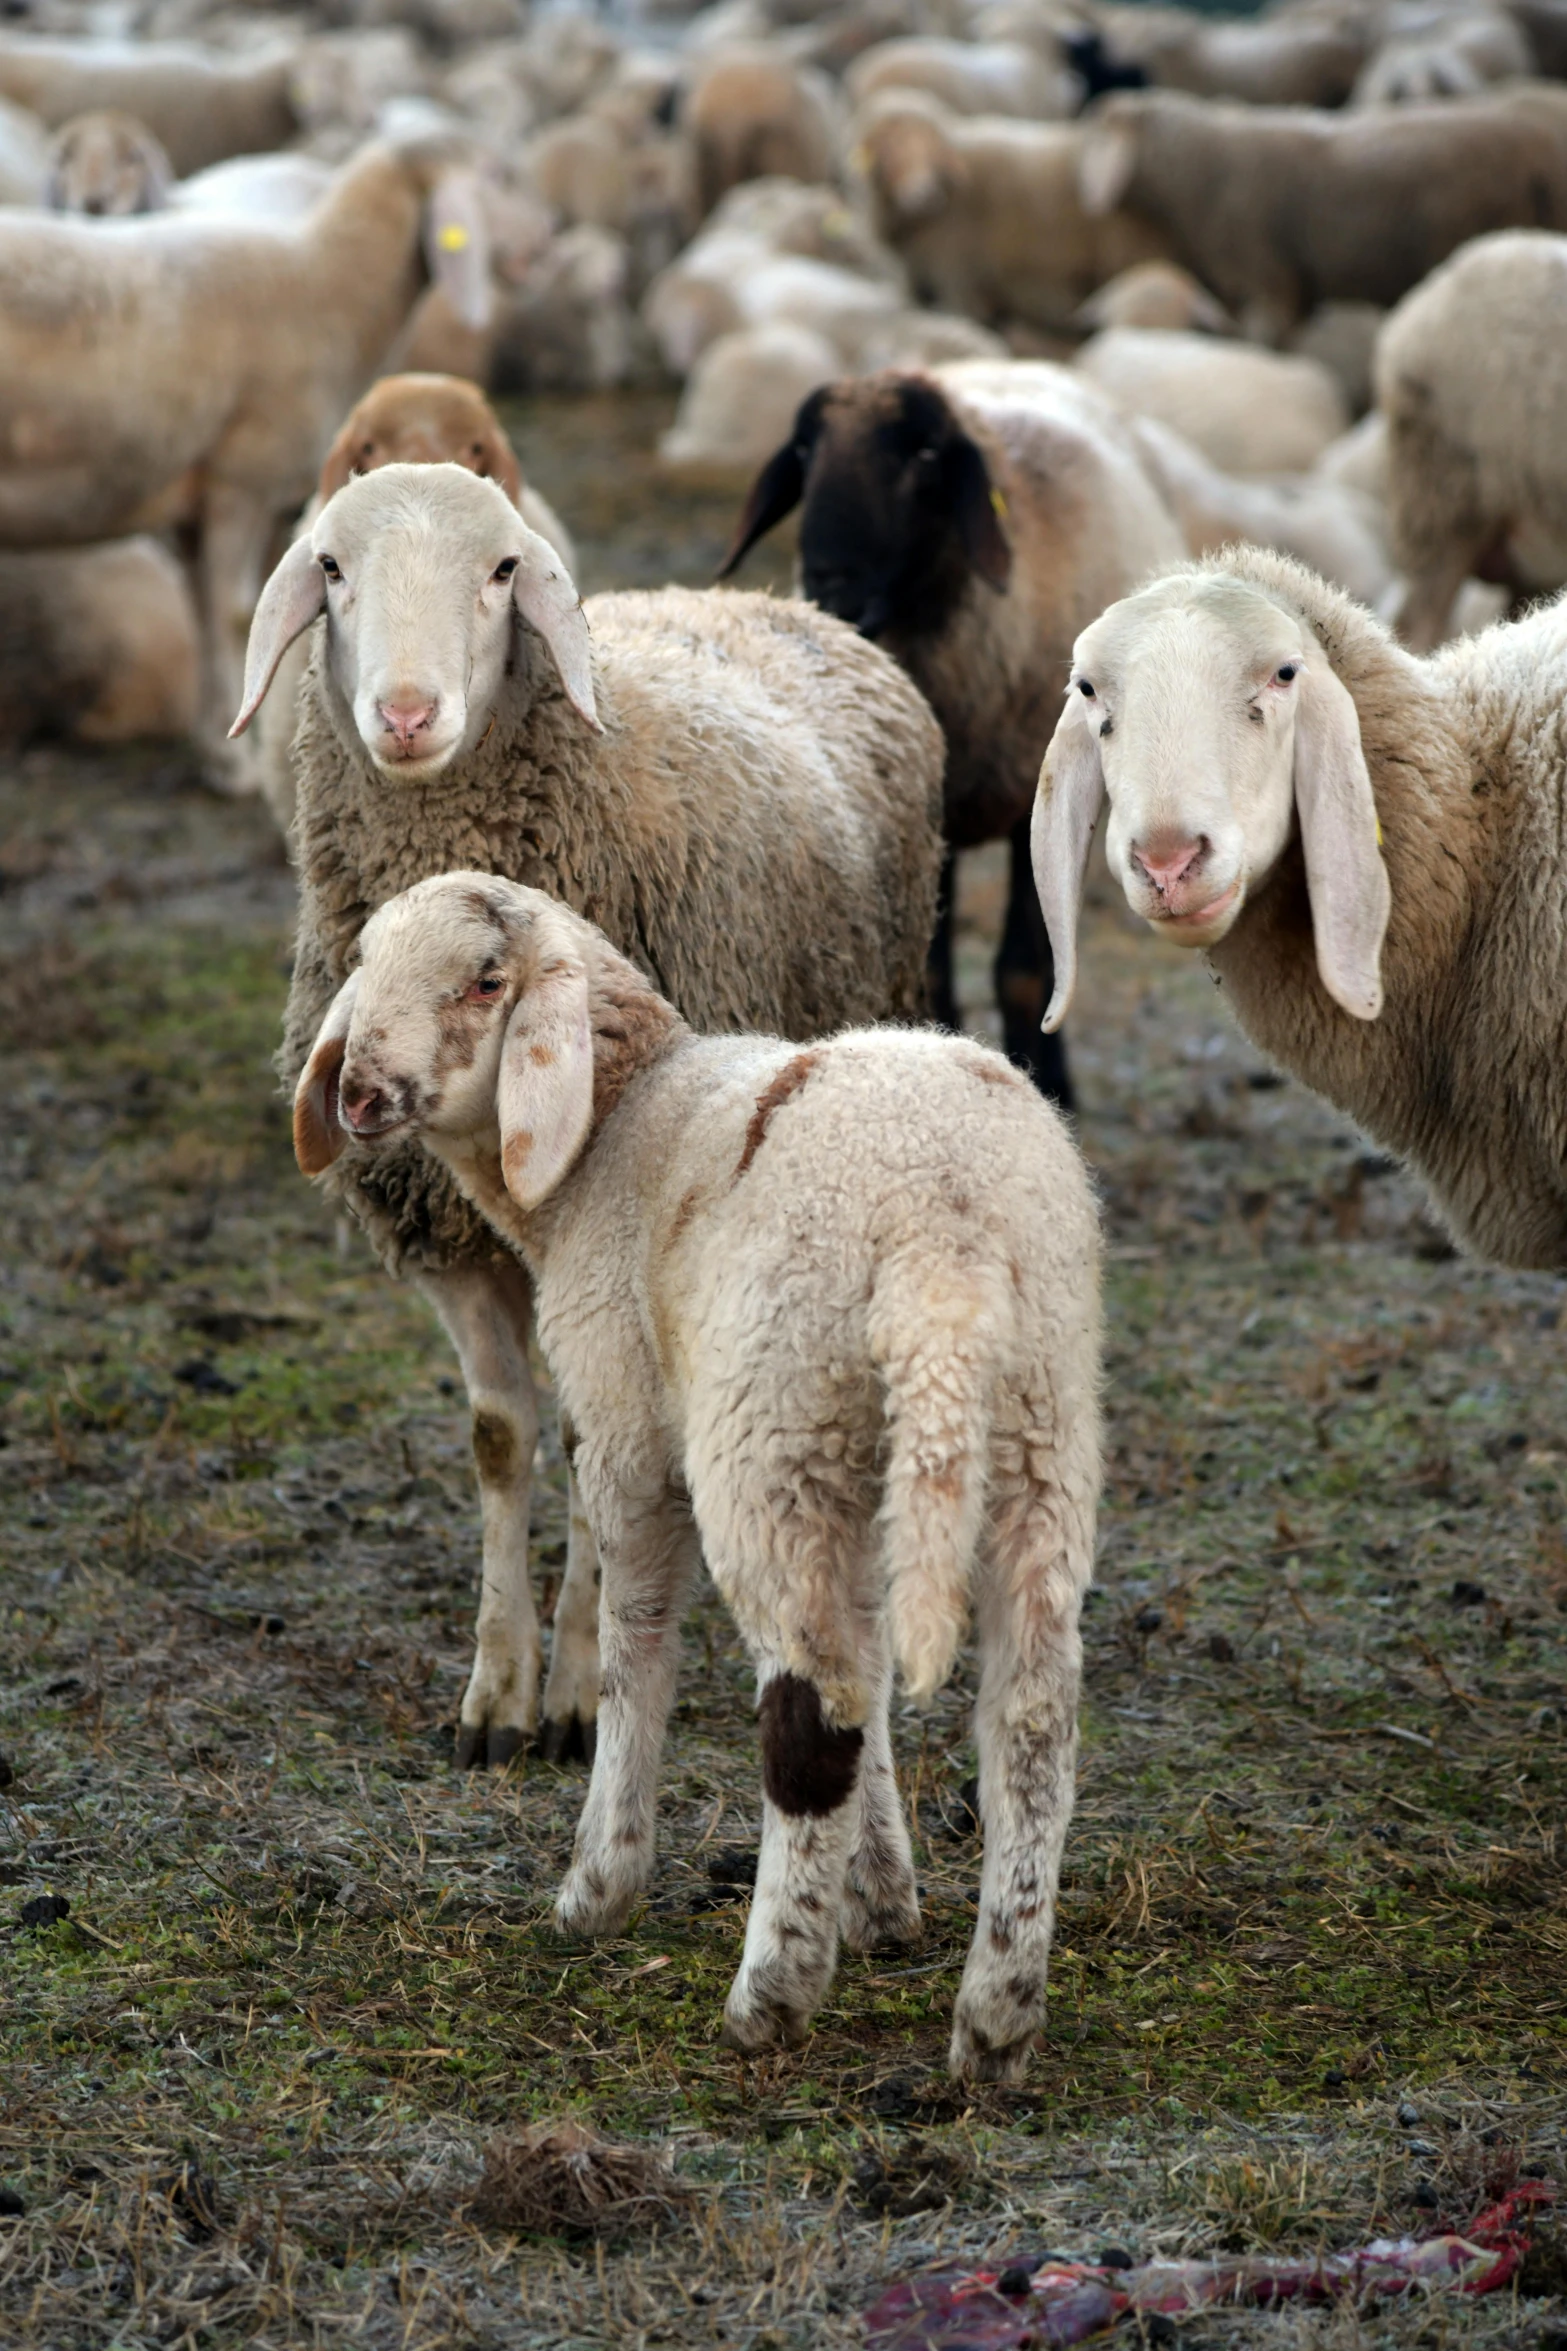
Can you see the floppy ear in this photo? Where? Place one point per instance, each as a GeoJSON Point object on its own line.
{"type": "Point", "coordinates": [979, 506]}
{"type": "Point", "coordinates": [544, 1094]}
{"type": "Point", "coordinates": [544, 594]}
{"type": "Point", "coordinates": [1345, 876]}
{"type": "Point", "coordinates": [289, 602]}
{"type": "Point", "coordinates": [318, 1131]}
{"type": "Point", "coordinates": [158, 169]}
{"type": "Point", "coordinates": [338, 464]}
{"type": "Point", "coordinates": [779, 487]}
{"type": "Point", "coordinates": [1104, 172]}
{"type": "Point", "coordinates": [457, 246]}
{"type": "Point", "coordinates": [500, 462]}
{"type": "Point", "coordinates": [1066, 809]}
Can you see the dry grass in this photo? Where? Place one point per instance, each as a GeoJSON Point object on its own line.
{"type": "Point", "coordinates": [1317, 1878]}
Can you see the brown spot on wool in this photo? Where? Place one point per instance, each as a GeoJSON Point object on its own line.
{"type": "Point", "coordinates": [494, 1448]}
{"type": "Point", "coordinates": [542, 1054]}
{"type": "Point", "coordinates": [515, 1152]}
{"type": "Point", "coordinates": [772, 1097]}
{"type": "Point", "coordinates": [807, 1766]}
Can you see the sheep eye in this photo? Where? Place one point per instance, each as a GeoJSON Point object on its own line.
{"type": "Point", "coordinates": [1283, 675]}
{"type": "Point", "coordinates": [1085, 689]}
{"type": "Point", "coordinates": [329, 565]}
{"type": "Point", "coordinates": [504, 569]}
{"type": "Point", "coordinates": [487, 985]}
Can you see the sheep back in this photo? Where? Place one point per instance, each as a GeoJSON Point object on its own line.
{"type": "Point", "coordinates": [758, 829]}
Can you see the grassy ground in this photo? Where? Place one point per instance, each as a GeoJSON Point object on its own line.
{"type": "Point", "coordinates": [1311, 1973]}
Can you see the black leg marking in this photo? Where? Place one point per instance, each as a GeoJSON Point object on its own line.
{"type": "Point", "coordinates": [807, 1767]}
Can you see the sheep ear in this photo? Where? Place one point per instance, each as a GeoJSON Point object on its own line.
{"type": "Point", "coordinates": [548, 601]}
{"type": "Point", "coordinates": [457, 246]}
{"type": "Point", "coordinates": [500, 463]}
{"type": "Point", "coordinates": [544, 1095]}
{"type": "Point", "coordinates": [289, 602]}
{"type": "Point", "coordinates": [1066, 809]}
{"type": "Point", "coordinates": [1104, 172]}
{"type": "Point", "coordinates": [979, 506]}
{"type": "Point", "coordinates": [779, 487]}
{"type": "Point", "coordinates": [337, 465]}
{"type": "Point", "coordinates": [1345, 876]}
{"type": "Point", "coordinates": [318, 1131]}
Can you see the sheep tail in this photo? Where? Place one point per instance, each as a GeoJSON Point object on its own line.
{"type": "Point", "coordinates": [937, 1333]}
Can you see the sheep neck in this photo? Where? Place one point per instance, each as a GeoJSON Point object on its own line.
{"type": "Point", "coordinates": [363, 239]}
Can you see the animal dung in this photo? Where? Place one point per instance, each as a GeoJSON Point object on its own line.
{"type": "Point", "coordinates": [560, 2179]}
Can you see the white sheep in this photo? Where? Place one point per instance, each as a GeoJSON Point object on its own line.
{"type": "Point", "coordinates": [107, 165]}
{"type": "Point", "coordinates": [1468, 377]}
{"type": "Point", "coordinates": [746, 796]}
{"type": "Point", "coordinates": [1366, 845]}
{"type": "Point", "coordinates": [970, 77]}
{"type": "Point", "coordinates": [825, 1318]}
{"type": "Point", "coordinates": [200, 107]}
{"type": "Point", "coordinates": [1248, 411]}
{"type": "Point", "coordinates": [190, 370]}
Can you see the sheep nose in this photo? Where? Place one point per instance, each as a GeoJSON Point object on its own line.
{"type": "Point", "coordinates": [406, 715]}
{"type": "Point", "coordinates": [364, 1106]}
{"type": "Point", "coordinates": [1169, 858]}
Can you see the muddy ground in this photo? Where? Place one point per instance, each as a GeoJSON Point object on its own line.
{"type": "Point", "coordinates": [1311, 1973]}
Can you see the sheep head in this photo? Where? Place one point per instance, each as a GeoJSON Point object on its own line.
{"type": "Point", "coordinates": [898, 508]}
{"type": "Point", "coordinates": [1209, 718]}
{"type": "Point", "coordinates": [467, 1023]}
{"type": "Point", "coordinates": [423, 572]}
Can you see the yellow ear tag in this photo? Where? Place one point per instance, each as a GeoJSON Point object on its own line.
{"type": "Point", "coordinates": [839, 220]}
{"type": "Point", "coordinates": [998, 505]}
{"type": "Point", "coordinates": [452, 238]}
{"type": "Point", "coordinates": [859, 158]}
{"type": "Point", "coordinates": [1379, 832]}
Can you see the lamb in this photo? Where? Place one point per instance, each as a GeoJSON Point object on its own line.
{"type": "Point", "coordinates": [745, 795]}
{"type": "Point", "coordinates": [751, 114]}
{"type": "Point", "coordinates": [1367, 846]}
{"type": "Point", "coordinates": [190, 370]}
{"type": "Point", "coordinates": [402, 420]}
{"type": "Point", "coordinates": [985, 211]}
{"type": "Point", "coordinates": [199, 107]}
{"type": "Point", "coordinates": [972, 519]}
{"type": "Point", "coordinates": [1467, 374]}
{"type": "Point", "coordinates": [828, 1319]}
{"type": "Point", "coordinates": [1278, 209]}
{"type": "Point", "coordinates": [1248, 411]}
{"type": "Point", "coordinates": [107, 165]}
{"type": "Point", "coordinates": [96, 643]}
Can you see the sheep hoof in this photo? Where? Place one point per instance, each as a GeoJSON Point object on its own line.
{"type": "Point", "coordinates": [753, 2030]}
{"type": "Point", "coordinates": [974, 2058]}
{"type": "Point", "coordinates": [569, 1741]}
{"type": "Point", "coordinates": [482, 1745]}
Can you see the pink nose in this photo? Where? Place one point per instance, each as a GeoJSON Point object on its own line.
{"type": "Point", "coordinates": [406, 715]}
{"type": "Point", "coordinates": [1168, 859]}
{"type": "Point", "coordinates": [363, 1106]}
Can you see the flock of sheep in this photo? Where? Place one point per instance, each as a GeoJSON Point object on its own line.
{"type": "Point", "coordinates": [1203, 371]}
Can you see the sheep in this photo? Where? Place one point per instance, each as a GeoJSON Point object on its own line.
{"type": "Point", "coordinates": [24, 156]}
{"type": "Point", "coordinates": [742, 792]}
{"type": "Point", "coordinates": [828, 1319]}
{"type": "Point", "coordinates": [255, 187]}
{"type": "Point", "coordinates": [1342, 337]}
{"type": "Point", "coordinates": [985, 213]}
{"type": "Point", "coordinates": [1155, 294]}
{"type": "Point", "coordinates": [569, 326]}
{"type": "Point", "coordinates": [968, 77]}
{"type": "Point", "coordinates": [1290, 60]}
{"type": "Point", "coordinates": [342, 82]}
{"type": "Point", "coordinates": [402, 420]}
{"type": "Point", "coordinates": [1248, 411]}
{"type": "Point", "coordinates": [1279, 209]}
{"type": "Point", "coordinates": [96, 643]}
{"type": "Point", "coordinates": [190, 370]}
{"type": "Point", "coordinates": [1442, 52]}
{"type": "Point", "coordinates": [1467, 378]}
{"type": "Point", "coordinates": [107, 165]}
{"type": "Point", "coordinates": [1334, 529]}
{"type": "Point", "coordinates": [1367, 846]}
{"type": "Point", "coordinates": [751, 114]}
{"type": "Point", "coordinates": [972, 519]}
{"type": "Point", "coordinates": [586, 169]}
{"type": "Point", "coordinates": [200, 108]}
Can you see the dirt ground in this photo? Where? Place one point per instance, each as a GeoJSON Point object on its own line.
{"type": "Point", "coordinates": [1310, 1981]}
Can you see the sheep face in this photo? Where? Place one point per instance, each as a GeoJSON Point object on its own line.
{"type": "Point", "coordinates": [1210, 719]}
{"type": "Point", "coordinates": [107, 166]}
{"type": "Point", "coordinates": [422, 571]}
{"type": "Point", "coordinates": [466, 1023]}
{"type": "Point", "coordinates": [898, 508]}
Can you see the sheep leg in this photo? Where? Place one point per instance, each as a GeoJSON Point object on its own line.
{"type": "Point", "coordinates": [571, 1689]}
{"type": "Point", "coordinates": [810, 1819]}
{"type": "Point", "coordinates": [940, 987]}
{"type": "Point", "coordinates": [1425, 610]}
{"type": "Point", "coordinates": [1025, 978]}
{"type": "Point", "coordinates": [649, 1553]}
{"type": "Point", "coordinates": [487, 1312]}
{"type": "Point", "coordinates": [231, 554]}
{"type": "Point", "coordinates": [1026, 1729]}
{"type": "Point", "coordinates": [880, 1905]}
